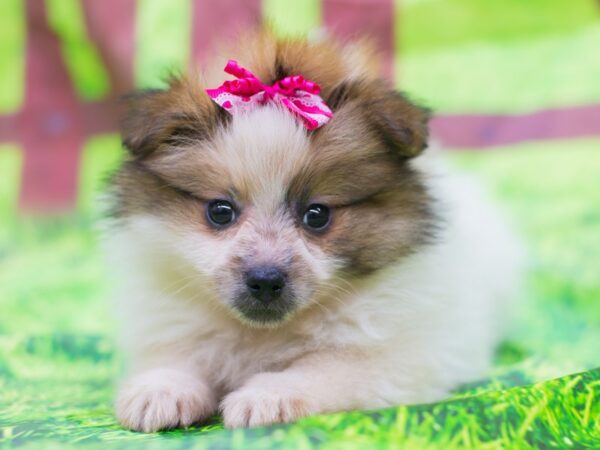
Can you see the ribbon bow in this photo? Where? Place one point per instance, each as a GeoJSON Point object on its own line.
{"type": "Point", "coordinates": [295, 93]}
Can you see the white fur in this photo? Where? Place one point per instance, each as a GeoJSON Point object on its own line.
{"type": "Point", "coordinates": [408, 333]}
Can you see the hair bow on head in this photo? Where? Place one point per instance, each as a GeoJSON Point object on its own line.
{"type": "Point", "coordinates": [298, 95]}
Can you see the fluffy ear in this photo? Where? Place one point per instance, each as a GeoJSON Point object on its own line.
{"type": "Point", "coordinates": [402, 125]}
{"type": "Point", "coordinates": [156, 119]}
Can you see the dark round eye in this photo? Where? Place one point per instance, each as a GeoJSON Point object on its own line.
{"type": "Point", "coordinates": [220, 212]}
{"type": "Point", "coordinates": [316, 216]}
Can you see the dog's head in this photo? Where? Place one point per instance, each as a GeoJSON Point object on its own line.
{"type": "Point", "coordinates": [269, 214]}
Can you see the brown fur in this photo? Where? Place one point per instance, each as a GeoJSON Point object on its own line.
{"type": "Point", "coordinates": [153, 120]}
{"type": "Point", "coordinates": [325, 62]}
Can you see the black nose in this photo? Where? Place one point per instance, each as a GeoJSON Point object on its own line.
{"type": "Point", "coordinates": [265, 283]}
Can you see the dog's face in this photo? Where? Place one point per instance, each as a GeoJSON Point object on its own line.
{"type": "Point", "coordinates": [268, 214]}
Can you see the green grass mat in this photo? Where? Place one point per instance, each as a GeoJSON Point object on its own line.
{"type": "Point", "coordinates": [58, 360]}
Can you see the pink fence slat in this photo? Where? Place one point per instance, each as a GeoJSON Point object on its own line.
{"type": "Point", "coordinates": [111, 25]}
{"type": "Point", "coordinates": [100, 117]}
{"type": "Point", "coordinates": [475, 131]}
{"type": "Point", "coordinates": [372, 18]}
{"type": "Point", "coordinates": [8, 128]}
{"type": "Point", "coordinates": [50, 126]}
{"type": "Point", "coordinates": [216, 21]}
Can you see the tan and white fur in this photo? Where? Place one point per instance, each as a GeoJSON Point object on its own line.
{"type": "Point", "coordinates": [399, 300]}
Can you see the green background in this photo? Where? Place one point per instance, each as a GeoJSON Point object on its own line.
{"type": "Point", "coordinates": [58, 361]}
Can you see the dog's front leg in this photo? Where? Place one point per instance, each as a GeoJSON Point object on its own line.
{"type": "Point", "coordinates": [164, 398]}
{"type": "Point", "coordinates": [315, 384]}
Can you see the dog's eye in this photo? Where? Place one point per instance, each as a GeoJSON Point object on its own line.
{"type": "Point", "coordinates": [220, 212]}
{"type": "Point", "coordinates": [316, 216]}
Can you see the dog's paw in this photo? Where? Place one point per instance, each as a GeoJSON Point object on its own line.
{"type": "Point", "coordinates": [162, 399]}
{"type": "Point", "coordinates": [257, 404]}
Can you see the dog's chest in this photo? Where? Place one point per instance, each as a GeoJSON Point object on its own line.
{"type": "Point", "coordinates": [231, 358]}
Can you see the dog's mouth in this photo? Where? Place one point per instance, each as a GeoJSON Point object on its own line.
{"type": "Point", "coordinates": [262, 313]}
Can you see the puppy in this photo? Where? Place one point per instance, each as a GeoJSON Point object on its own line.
{"type": "Point", "coordinates": [273, 268]}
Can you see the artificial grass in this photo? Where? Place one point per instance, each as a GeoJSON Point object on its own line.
{"type": "Point", "coordinates": [58, 360]}
{"type": "Point", "coordinates": [561, 413]}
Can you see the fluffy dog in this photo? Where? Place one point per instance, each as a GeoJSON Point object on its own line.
{"type": "Point", "coordinates": [270, 271]}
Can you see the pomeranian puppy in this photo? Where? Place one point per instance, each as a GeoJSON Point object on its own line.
{"type": "Point", "coordinates": [287, 248]}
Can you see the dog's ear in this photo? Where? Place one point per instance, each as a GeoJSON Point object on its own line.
{"type": "Point", "coordinates": [153, 120]}
{"type": "Point", "coordinates": [402, 125]}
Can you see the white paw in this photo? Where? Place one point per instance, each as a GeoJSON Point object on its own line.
{"type": "Point", "coordinates": [254, 405]}
{"type": "Point", "coordinates": [160, 399]}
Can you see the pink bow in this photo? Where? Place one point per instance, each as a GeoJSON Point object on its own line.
{"type": "Point", "coordinates": [298, 95]}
